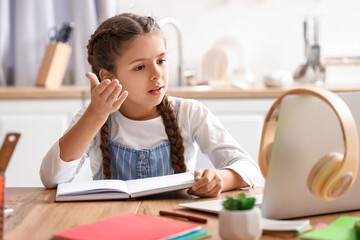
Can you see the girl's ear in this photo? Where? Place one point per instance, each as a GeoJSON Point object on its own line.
{"type": "Point", "coordinates": [105, 74]}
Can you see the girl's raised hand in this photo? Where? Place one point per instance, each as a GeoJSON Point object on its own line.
{"type": "Point", "coordinates": [208, 183]}
{"type": "Point", "coordinates": [105, 96]}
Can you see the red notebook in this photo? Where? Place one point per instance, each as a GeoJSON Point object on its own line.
{"type": "Point", "coordinates": [129, 226]}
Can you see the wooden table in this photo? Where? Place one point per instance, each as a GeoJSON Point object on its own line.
{"type": "Point", "coordinates": [37, 216]}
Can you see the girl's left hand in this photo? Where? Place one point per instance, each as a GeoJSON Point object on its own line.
{"type": "Point", "coordinates": [208, 183]}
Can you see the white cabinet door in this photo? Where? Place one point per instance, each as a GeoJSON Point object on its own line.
{"type": "Point", "coordinates": [246, 129]}
{"type": "Point", "coordinates": [244, 119]}
{"type": "Point", "coordinates": [41, 123]}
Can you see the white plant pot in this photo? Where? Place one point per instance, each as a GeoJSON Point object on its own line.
{"type": "Point", "coordinates": [240, 224]}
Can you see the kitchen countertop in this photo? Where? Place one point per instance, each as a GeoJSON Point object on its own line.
{"type": "Point", "coordinates": [203, 92]}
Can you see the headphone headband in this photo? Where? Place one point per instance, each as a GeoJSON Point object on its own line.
{"type": "Point", "coordinates": [343, 113]}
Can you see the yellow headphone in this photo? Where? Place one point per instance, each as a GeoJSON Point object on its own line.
{"type": "Point", "coordinates": [334, 173]}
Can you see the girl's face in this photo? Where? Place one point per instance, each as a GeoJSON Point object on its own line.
{"type": "Point", "coordinates": [142, 71]}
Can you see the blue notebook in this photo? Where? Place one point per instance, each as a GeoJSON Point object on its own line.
{"type": "Point", "coordinates": [198, 234]}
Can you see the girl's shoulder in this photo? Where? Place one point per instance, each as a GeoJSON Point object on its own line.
{"type": "Point", "coordinates": [188, 106]}
{"type": "Point", "coordinates": [184, 102]}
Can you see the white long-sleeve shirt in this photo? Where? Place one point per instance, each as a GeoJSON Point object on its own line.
{"type": "Point", "coordinates": [197, 125]}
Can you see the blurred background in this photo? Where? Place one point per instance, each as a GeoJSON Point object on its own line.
{"type": "Point", "coordinates": [248, 51]}
{"type": "Point", "coordinates": [269, 33]}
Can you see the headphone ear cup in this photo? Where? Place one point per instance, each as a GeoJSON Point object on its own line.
{"type": "Point", "coordinates": [321, 172]}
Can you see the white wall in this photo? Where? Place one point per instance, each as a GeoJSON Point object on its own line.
{"type": "Point", "coordinates": [271, 30]}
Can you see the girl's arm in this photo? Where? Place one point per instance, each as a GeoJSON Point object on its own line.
{"type": "Point", "coordinates": [105, 99]}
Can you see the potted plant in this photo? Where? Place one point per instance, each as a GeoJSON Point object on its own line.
{"type": "Point", "coordinates": [240, 219]}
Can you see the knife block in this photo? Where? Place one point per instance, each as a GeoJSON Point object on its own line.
{"type": "Point", "coordinates": [53, 66]}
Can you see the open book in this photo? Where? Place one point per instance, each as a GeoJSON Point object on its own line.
{"type": "Point", "coordinates": [119, 189]}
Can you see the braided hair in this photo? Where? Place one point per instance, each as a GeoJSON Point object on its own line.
{"type": "Point", "coordinates": [105, 45]}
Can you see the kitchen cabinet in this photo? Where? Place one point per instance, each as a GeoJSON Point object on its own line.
{"type": "Point", "coordinates": [42, 115]}
{"type": "Point", "coordinates": [42, 121]}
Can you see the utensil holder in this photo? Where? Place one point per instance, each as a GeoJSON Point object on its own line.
{"type": "Point", "coordinates": [53, 66]}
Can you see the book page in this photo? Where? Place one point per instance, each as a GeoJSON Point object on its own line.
{"type": "Point", "coordinates": [153, 185]}
{"type": "Point", "coordinates": [284, 225]}
{"type": "Point", "coordinates": [89, 187]}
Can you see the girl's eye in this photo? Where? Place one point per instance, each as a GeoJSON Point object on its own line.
{"type": "Point", "coordinates": [161, 61]}
{"type": "Point", "coordinates": [139, 68]}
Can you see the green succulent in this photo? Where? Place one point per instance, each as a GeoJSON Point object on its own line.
{"type": "Point", "coordinates": [357, 226]}
{"type": "Point", "coordinates": [241, 202]}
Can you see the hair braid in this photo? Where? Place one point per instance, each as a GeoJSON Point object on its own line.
{"type": "Point", "coordinates": [104, 146]}
{"type": "Point", "coordinates": [173, 132]}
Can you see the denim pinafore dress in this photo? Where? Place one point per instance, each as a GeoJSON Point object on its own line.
{"type": "Point", "coordinates": [127, 163]}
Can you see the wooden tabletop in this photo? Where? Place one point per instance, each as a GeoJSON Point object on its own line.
{"type": "Point", "coordinates": [37, 216]}
{"type": "Point", "coordinates": [256, 90]}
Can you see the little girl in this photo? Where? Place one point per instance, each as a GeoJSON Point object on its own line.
{"type": "Point", "coordinates": [131, 129]}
